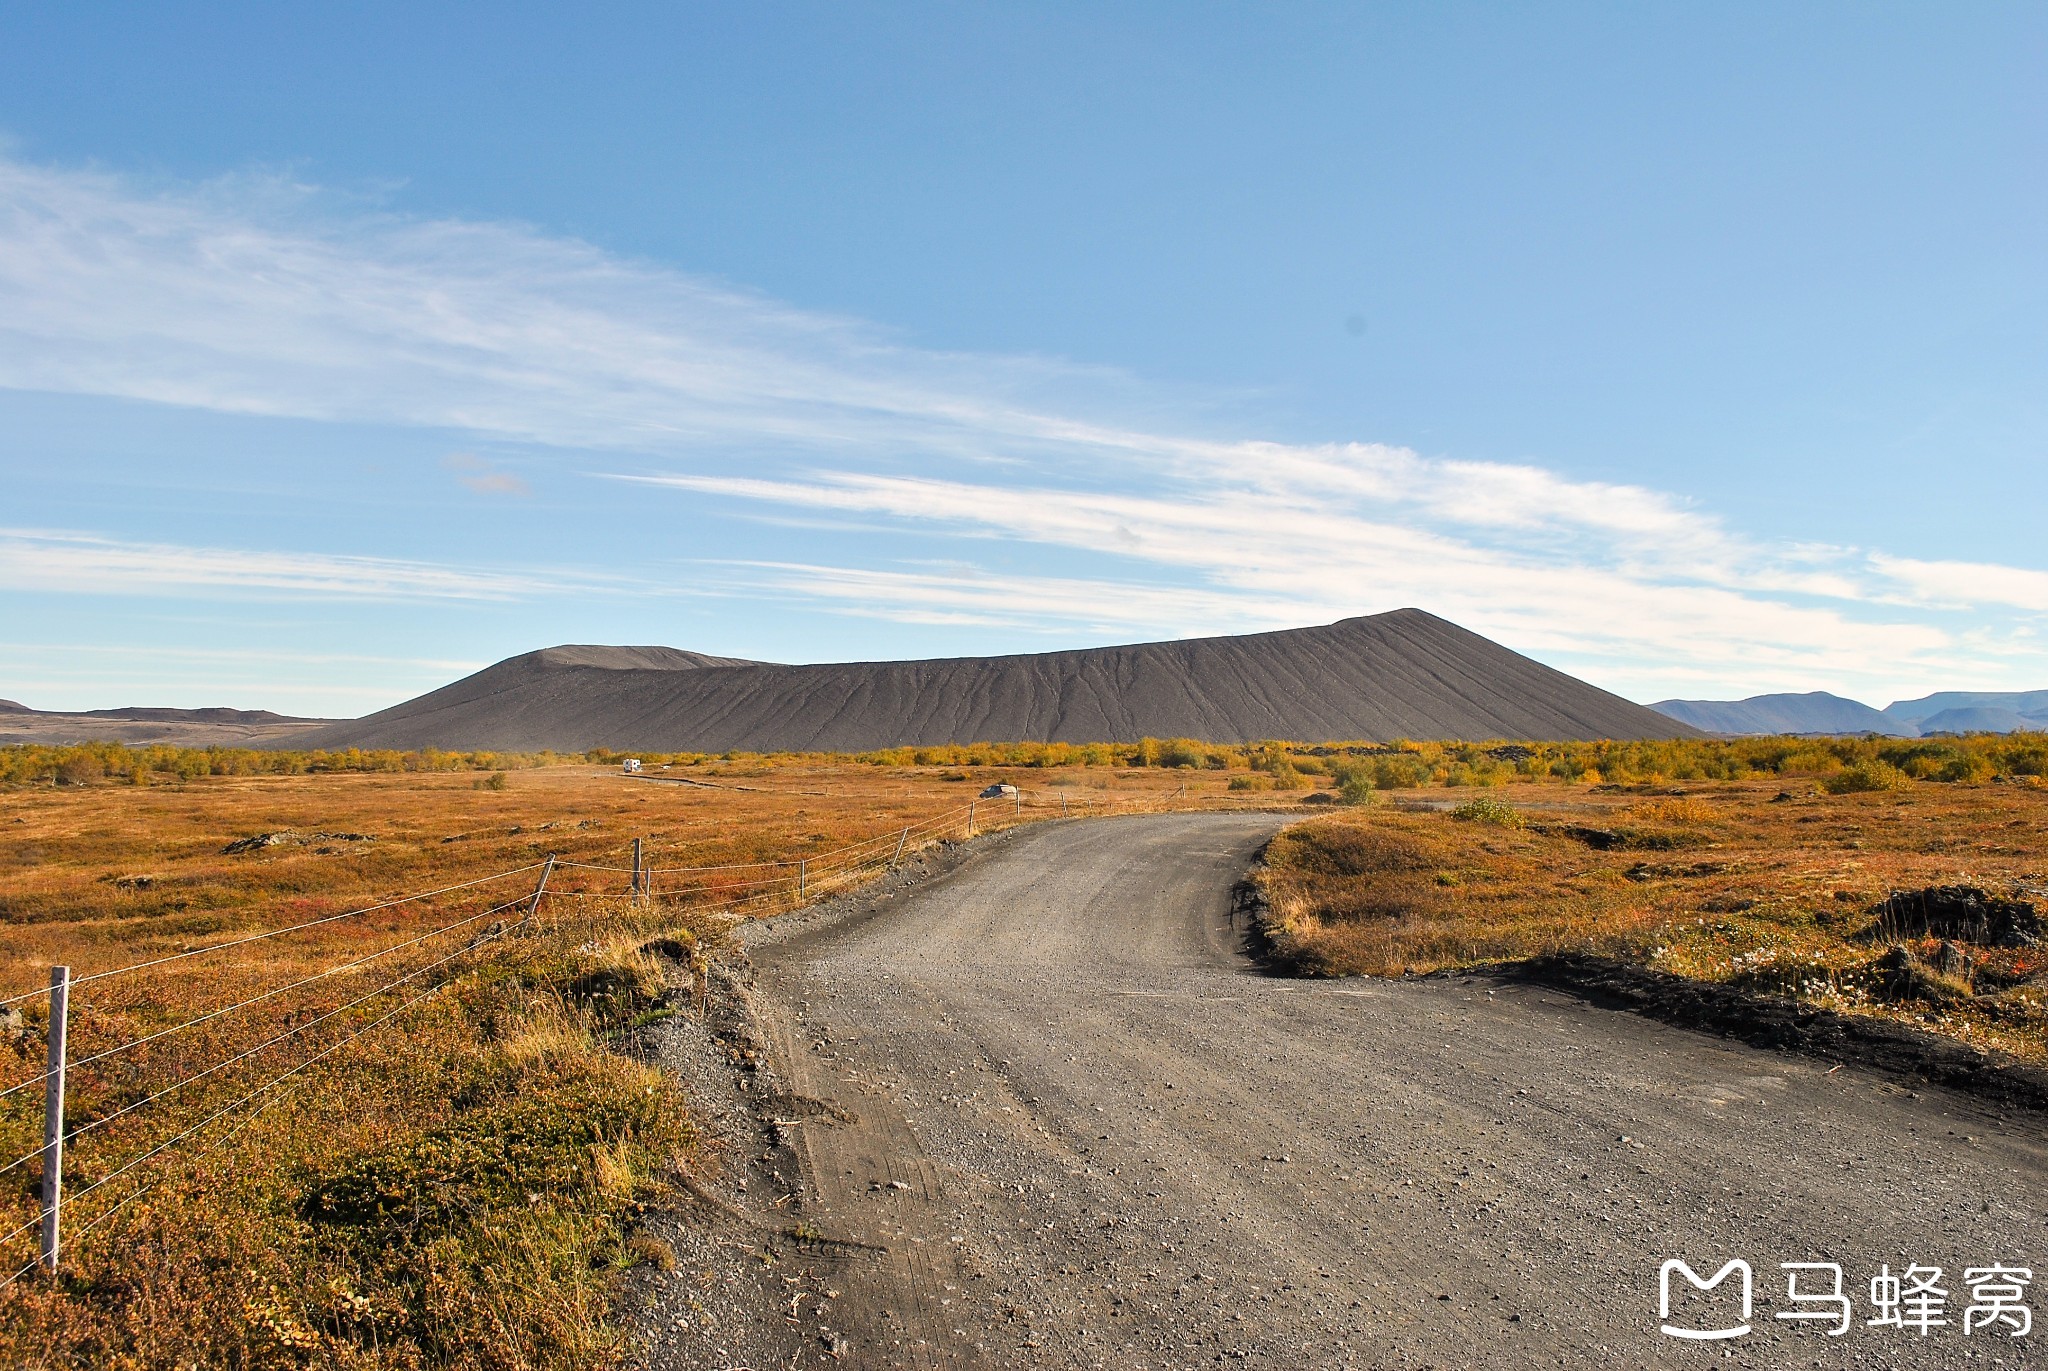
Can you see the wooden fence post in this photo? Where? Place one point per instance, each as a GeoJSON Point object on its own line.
{"type": "Point", "coordinates": [533, 905]}
{"type": "Point", "coordinates": [897, 856]}
{"type": "Point", "coordinates": [53, 1116]}
{"type": "Point", "coordinates": [970, 817]}
{"type": "Point", "coordinates": [638, 878]}
{"type": "Point", "coordinates": [803, 868]}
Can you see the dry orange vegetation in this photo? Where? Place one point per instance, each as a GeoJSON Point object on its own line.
{"type": "Point", "coordinates": [1772, 887]}
{"type": "Point", "coordinates": [447, 1168]}
{"type": "Point", "coordinates": [411, 1137]}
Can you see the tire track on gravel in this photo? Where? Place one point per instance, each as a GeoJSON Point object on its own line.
{"type": "Point", "coordinates": [1091, 1133]}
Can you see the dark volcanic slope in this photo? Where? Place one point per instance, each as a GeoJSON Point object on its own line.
{"type": "Point", "coordinates": [1401, 675]}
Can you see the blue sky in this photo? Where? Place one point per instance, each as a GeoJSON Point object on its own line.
{"type": "Point", "coordinates": [1695, 349]}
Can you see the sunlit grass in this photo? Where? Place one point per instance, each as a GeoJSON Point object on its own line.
{"type": "Point", "coordinates": [459, 1186]}
{"type": "Point", "coordinates": [1748, 884]}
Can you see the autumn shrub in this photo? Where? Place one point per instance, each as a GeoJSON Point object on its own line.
{"type": "Point", "coordinates": [1286, 775]}
{"type": "Point", "coordinates": [1970, 767]}
{"type": "Point", "coordinates": [2023, 755]}
{"type": "Point", "coordinates": [1399, 764]}
{"type": "Point", "coordinates": [83, 768]}
{"type": "Point", "coordinates": [1487, 810]}
{"type": "Point", "coordinates": [1354, 783]}
{"type": "Point", "coordinates": [1813, 760]}
{"type": "Point", "coordinates": [1398, 772]}
{"type": "Point", "coordinates": [1867, 776]}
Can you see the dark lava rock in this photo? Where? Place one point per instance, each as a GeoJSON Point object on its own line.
{"type": "Point", "coordinates": [260, 841]}
{"type": "Point", "coordinates": [1963, 913]}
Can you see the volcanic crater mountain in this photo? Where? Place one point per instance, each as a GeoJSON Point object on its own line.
{"type": "Point", "coordinates": [1405, 674]}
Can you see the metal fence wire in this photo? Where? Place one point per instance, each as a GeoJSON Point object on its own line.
{"type": "Point", "coordinates": [734, 889]}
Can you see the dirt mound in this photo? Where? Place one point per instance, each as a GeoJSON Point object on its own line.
{"type": "Point", "coordinates": [1401, 675]}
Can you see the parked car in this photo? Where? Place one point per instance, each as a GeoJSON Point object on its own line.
{"type": "Point", "coordinates": [999, 791]}
{"type": "Point", "coordinates": [630, 765]}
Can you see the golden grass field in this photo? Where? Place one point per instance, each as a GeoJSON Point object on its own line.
{"type": "Point", "coordinates": [457, 1185]}
{"type": "Point", "coordinates": [449, 1138]}
{"type": "Point", "coordinates": [1765, 885]}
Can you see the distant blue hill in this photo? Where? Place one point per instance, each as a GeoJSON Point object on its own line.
{"type": "Point", "coordinates": [2030, 705]}
{"type": "Point", "coordinates": [1814, 712]}
{"type": "Point", "coordinates": [1978, 719]}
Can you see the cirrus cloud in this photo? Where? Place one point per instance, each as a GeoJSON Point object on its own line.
{"type": "Point", "coordinates": [259, 296]}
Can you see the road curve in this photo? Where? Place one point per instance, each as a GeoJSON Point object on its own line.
{"type": "Point", "coordinates": [1088, 1131]}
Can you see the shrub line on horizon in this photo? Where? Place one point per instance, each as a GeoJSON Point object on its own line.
{"type": "Point", "coordinates": [1399, 764]}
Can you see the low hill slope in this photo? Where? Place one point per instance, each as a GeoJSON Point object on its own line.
{"type": "Point", "coordinates": [1814, 712]}
{"type": "Point", "coordinates": [2031, 705]}
{"type": "Point", "coordinates": [1977, 719]}
{"type": "Point", "coordinates": [138, 725]}
{"type": "Point", "coordinates": [1404, 674]}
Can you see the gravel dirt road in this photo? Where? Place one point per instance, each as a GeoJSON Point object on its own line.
{"type": "Point", "coordinates": [1070, 1123]}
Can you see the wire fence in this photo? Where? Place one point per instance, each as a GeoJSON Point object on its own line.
{"type": "Point", "coordinates": [134, 1077]}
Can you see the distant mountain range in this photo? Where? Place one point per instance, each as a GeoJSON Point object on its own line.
{"type": "Point", "coordinates": [140, 724]}
{"type": "Point", "coordinates": [1406, 674]}
{"type": "Point", "coordinates": [2027, 704]}
{"type": "Point", "coordinates": [1946, 711]}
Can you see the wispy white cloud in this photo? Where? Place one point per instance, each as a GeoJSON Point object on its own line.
{"type": "Point", "coordinates": [259, 296]}
{"type": "Point", "coordinates": [1966, 585]}
{"type": "Point", "coordinates": [47, 560]}
{"type": "Point", "coordinates": [1270, 556]}
{"type": "Point", "coordinates": [966, 594]}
